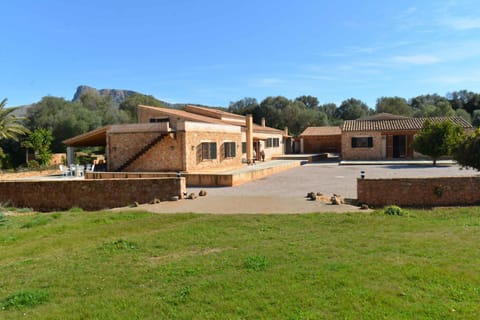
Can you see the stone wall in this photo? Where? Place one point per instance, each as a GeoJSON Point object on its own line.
{"type": "Point", "coordinates": [122, 146]}
{"type": "Point", "coordinates": [88, 194]}
{"type": "Point", "coordinates": [373, 153]}
{"type": "Point", "coordinates": [166, 155]}
{"type": "Point", "coordinates": [420, 192]}
{"type": "Point", "coordinates": [195, 134]}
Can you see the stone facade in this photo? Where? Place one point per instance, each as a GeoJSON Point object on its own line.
{"type": "Point", "coordinates": [197, 133]}
{"type": "Point", "coordinates": [419, 192]}
{"type": "Point", "coordinates": [362, 153]}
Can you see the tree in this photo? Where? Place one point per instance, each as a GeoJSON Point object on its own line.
{"type": "Point", "coordinates": [129, 105]}
{"type": "Point", "coordinates": [40, 141]}
{"type": "Point", "coordinates": [310, 102]}
{"type": "Point", "coordinates": [352, 109]}
{"type": "Point", "coordinates": [443, 109]}
{"type": "Point", "coordinates": [463, 114]}
{"type": "Point", "coordinates": [394, 105]}
{"type": "Point", "coordinates": [244, 106]}
{"type": "Point", "coordinates": [467, 151]}
{"type": "Point", "coordinates": [437, 139]}
{"type": "Point", "coordinates": [11, 127]}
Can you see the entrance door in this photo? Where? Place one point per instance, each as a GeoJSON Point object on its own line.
{"type": "Point", "coordinates": [399, 146]}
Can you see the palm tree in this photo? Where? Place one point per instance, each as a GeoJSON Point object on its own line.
{"type": "Point", "coordinates": [11, 127]}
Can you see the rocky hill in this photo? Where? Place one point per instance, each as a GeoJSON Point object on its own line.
{"type": "Point", "coordinates": [117, 96]}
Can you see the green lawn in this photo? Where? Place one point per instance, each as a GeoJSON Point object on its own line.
{"type": "Point", "coordinates": [126, 265]}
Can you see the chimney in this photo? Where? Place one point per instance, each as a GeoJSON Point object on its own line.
{"type": "Point", "coordinates": [286, 131]}
{"type": "Point", "coordinates": [249, 133]}
{"type": "Point", "coordinates": [263, 121]}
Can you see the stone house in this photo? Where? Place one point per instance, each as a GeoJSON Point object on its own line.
{"type": "Point", "coordinates": [196, 139]}
{"type": "Point", "coordinates": [385, 136]}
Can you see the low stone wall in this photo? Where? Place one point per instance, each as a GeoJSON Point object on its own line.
{"type": "Point", "coordinates": [419, 192]}
{"type": "Point", "coordinates": [202, 179]}
{"type": "Point", "coordinates": [88, 194]}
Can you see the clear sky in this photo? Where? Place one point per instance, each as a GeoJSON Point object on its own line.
{"type": "Point", "coordinates": [213, 52]}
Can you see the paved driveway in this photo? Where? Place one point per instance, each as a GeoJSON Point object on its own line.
{"type": "Point", "coordinates": [285, 192]}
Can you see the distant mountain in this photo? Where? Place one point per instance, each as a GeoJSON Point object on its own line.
{"type": "Point", "coordinates": [117, 96]}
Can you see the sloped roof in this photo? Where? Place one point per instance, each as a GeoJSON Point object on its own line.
{"type": "Point", "coordinates": [218, 119]}
{"type": "Point", "coordinates": [383, 116]}
{"type": "Point", "coordinates": [214, 113]}
{"type": "Point", "coordinates": [183, 114]}
{"type": "Point", "coordinates": [321, 131]}
{"type": "Point", "coordinates": [94, 138]}
{"type": "Point", "coordinates": [398, 124]}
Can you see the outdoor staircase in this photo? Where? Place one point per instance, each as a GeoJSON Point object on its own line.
{"type": "Point", "coordinates": [141, 152]}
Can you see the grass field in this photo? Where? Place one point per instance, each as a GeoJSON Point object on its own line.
{"type": "Point", "coordinates": [126, 265]}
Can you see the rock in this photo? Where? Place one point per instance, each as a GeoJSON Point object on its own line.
{"type": "Point", "coordinates": [336, 199]}
{"type": "Point", "coordinates": [364, 206]}
{"type": "Point", "coordinates": [319, 194]}
{"type": "Point", "coordinates": [202, 193]}
{"type": "Point", "coordinates": [136, 204]}
{"type": "Point", "coordinates": [192, 196]}
{"type": "Point", "coordinates": [311, 196]}
{"type": "Point", "coordinates": [174, 198]}
{"type": "Point", "coordinates": [156, 201]}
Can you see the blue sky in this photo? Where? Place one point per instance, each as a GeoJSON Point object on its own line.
{"type": "Point", "coordinates": [214, 52]}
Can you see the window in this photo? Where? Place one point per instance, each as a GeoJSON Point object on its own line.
{"type": "Point", "coordinates": [154, 120]}
{"type": "Point", "coordinates": [269, 143]}
{"type": "Point", "coordinates": [229, 149]}
{"type": "Point", "coordinates": [276, 142]}
{"type": "Point", "coordinates": [209, 150]}
{"type": "Point", "coordinates": [244, 147]}
{"type": "Point", "coordinates": [272, 143]}
{"type": "Point", "coordinates": [362, 142]}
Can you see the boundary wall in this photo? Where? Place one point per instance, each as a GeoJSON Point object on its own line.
{"type": "Point", "coordinates": [55, 195]}
{"type": "Point", "coordinates": [420, 192]}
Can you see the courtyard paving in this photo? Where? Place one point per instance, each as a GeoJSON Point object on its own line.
{"type": "Point", "coordinates": [285, 192]}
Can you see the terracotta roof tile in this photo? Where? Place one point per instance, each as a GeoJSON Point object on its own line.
{"type": "Point", "coordinates": [398, 124]}
{"type": "Point", "coordinates": [321, 131]}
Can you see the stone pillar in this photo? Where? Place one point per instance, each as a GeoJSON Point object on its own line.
{"type": "Point", "coordinates": [249, 133]}
{"type": "Point", "coordinates": [70, 155]}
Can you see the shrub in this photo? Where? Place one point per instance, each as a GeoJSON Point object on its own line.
{"type": "Point", "coordinates": [395, 211]}
{"type": "Point", "coordinates": [36, 221]}
{"type": "Point", "coordinates": [3, 218]}
{"type": "Point", "coordinates": [24, 299]}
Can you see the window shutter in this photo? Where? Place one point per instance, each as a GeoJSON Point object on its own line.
{"type": "Point", "coordinates": [234, 149]}
{"type": "Point", "coordinates": [370, 142]}
{"type": "Point", "coordinates": [213, 150]}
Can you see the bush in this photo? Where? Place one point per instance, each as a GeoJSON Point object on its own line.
{"type": "Point", "coordinates": [3, 219]}
{"type": "Point", "coordinates": [395, 211]}
{"type": "Point", "coordinates": [36, 221]}
{"type": "Point", "coordinates": [24, 299]}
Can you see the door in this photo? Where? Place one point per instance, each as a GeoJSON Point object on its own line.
{"type": "Point", "coordinates": [399, 146]}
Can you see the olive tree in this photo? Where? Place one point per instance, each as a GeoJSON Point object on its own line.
{"type": "Point", "coordinates": [438, 139]}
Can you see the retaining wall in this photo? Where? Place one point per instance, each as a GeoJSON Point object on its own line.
{"type": "Point", "coordinates": [88, 194]}
{"type": "Point", "coordinates": [203, 179]}
{"type": "Point", "coordinates": [419, 192]}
